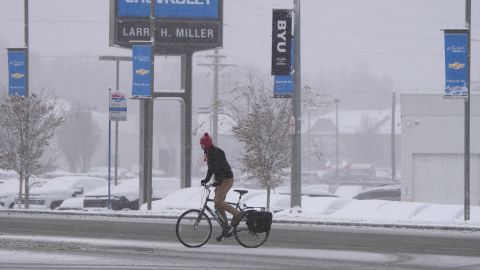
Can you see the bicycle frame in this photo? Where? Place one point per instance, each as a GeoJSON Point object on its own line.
{"type": "Point", "coordinates": [212, 212]}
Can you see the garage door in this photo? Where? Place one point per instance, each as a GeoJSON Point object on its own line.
{"type": "Point", "coordinates": [438, 178]}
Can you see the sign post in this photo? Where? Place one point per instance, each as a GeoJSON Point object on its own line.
{"type": "Point", "coordinates": [170, 28]}
{"type": "Point", "coordinates": [457, 84]}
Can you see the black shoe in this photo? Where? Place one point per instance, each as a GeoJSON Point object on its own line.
{"type": "Point", "coordinates": [225, 233]}
{"type": "Point", "coordinates": [236, 220]}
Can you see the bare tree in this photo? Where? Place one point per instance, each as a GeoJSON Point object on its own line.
{"type": "Point", "coordinates": [78, 138]}
{"type": "Point", "coordinates": [26, 127]}
{"type": "Point", "coordinates": [263, 128]}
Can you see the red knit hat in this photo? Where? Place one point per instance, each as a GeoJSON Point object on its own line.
{"type": "Point", "coordinates": [206, 141]}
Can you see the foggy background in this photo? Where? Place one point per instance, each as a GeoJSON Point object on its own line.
{"type": "Point", "coordinates": [357, 51]}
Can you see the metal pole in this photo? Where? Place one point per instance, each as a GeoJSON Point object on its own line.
{"type": "Point", "coordinates": [146, 128]}
{"type": "Point", "coordinates": [188, 119]}
{"type": "Point", "coordinates": [117, 59]}
{"type": "Point", "coordinates": [183, 151]}
{"type": "Point", "coordinates": [27, 92]}
{"type": "Point", "coordinates": [468, 5]}
{"type": "Point", "coordinates": [26, 23]}
{"type": "Point", "coordinates": [109, 151]}
{"type": "Point", "coordinates": [215, 98]}
{"type": "Point", "coordinates": [296, 180]}
{"type": "Point", "coordinates": [116, 125]}
{"type": "Point", "coordinates": [336, 139]}
{"type": "Point", "coordinates": [394, 165]}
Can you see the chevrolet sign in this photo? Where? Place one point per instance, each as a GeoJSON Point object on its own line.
{"type": "Point", "coordinates": [181, 26]}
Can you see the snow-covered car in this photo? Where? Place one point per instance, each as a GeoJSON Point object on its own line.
{"type": "Point", "coordinates": [72, 204]}
{"type": "Point", "coordinates": [125, 195]}
{"type": "Point", "coordinates": [389, 193]}
{"type": "Point", "coordinates": [9, 190]}
{"type": "Point", "coordinates": [55, 191]}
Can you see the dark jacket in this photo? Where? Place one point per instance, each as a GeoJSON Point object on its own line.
{"type": "Point", "coordinates": [218, 165]}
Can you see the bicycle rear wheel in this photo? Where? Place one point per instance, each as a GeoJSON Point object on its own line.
{"type": "Point", "coordinates": [247, 238]}
{"type": "Point", "coordinates": [193, 228]}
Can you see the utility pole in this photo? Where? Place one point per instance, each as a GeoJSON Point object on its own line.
{"type": "Point", "coordinates": [27, 92]}
{"type": "Point", "coordinates": [336, 140]}
{"type": "Point", "coordinates": [215, 66]}
{"type": "Point", "coordinates": [394, 166]}
{"type": "Point", "coordinates": [468, 17]}
{"type": "Point", "coordinates": [295, 174]}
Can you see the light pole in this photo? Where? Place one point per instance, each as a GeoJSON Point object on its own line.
{"type": "Point", "coordinates": [336, 137]}
{"type": "Point", "coordinates": [117, 59]}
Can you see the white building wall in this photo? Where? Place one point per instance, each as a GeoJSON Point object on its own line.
{"type": "Point", "coordinates": [433, 132]}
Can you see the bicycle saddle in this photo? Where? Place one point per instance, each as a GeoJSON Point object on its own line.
{"type": "Point", "coordinates": [241, 191]}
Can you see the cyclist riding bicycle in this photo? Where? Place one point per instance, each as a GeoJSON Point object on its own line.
{"type": "Point", "coordinates": [218, 167]}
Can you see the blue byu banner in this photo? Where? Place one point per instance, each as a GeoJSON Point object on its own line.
{"type": "Point", "coordinates": [283, 85]}
{"type": "Point", "coordinates": [17, 72]}
{"type": "Point", "coordinates": [142, 70]}
{"type": "Point", "coordinates": [456, 63]}
{"type": "Point", "coordinates": [187, 9]}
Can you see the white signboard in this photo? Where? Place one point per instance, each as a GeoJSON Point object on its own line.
{"type": "Point", "coordinates": [118, 106]}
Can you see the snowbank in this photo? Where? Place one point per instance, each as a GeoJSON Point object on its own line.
{"type": "Point", "coordinates": [329, 209]}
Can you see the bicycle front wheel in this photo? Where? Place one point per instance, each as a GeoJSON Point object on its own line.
{"type": "Point", "coordinates": [193, 228]}
{"type": "Point", "coordinates": [247, 238]}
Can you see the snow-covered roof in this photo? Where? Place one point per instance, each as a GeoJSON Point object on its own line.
{"type": "Point", "coordinates": [350, 121]}
{"type": "Point", "coordinates": [129, 188]}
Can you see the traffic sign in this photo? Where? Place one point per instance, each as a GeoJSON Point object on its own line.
{"type": "Point", "coordinates": [118, 106]}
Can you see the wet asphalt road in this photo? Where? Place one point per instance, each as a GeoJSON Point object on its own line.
{"type": "Point", "coordinates": [288, 247]}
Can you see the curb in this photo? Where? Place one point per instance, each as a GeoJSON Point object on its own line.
{"type": "Point", "coordinates": [275, 221]}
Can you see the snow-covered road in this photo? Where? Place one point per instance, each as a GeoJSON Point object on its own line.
{"type": "Point", "coordinates": [47, 252]}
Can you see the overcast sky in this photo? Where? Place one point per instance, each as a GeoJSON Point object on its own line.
{"type": "Point", "coordinates": [397, 39]}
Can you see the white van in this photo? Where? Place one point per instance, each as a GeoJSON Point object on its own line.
{"type": "Point", "coordinates": [56, 190]}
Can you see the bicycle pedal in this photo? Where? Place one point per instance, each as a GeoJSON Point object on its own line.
{"type": "Point", "coordinates": [220, 238]}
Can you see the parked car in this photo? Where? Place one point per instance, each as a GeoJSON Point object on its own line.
{"type": "Point", "coordinates": [125, 196]}
{"type": "Point", "coordinates": [352, 173]}
{"type": "Point", "coordinates": [9, 190]}
{"type": "Point", "coordinates": [75, 203]}
{"type": "Point", "coordinates": [55, 191]}
{"type": "Point", "coordinates": [389, 193]}
{"type": "Point", "coordinates": [308, 190]}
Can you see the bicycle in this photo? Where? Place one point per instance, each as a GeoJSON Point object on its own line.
{"type": "Point", "coordinates": [194, 227]}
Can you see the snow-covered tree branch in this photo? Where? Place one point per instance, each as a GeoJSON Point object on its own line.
{"type": "Point", "coordinates": [26, 127]}
{"type": "Point", "coordinates": [262, 125]}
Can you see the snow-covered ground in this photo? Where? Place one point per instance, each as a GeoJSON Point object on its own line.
{"type": "Point", "coordinates": [341, 209]}
{"type": "Point", "coordinates": [330, 209]}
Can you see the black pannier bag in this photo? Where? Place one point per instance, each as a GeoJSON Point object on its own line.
{"type": "Point", "coordinates": [259, 221]}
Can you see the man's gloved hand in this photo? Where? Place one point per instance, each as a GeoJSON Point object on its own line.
{"type": "Point", "coordinates": [204, 182]}
{"type": "Point", "coordinates": [215, 184]}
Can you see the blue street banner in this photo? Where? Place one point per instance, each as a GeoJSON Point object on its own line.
{"type": "Point", "coordinates": [456, 63]}
{"type": "Point", "coordinates": [186, 9]}
{"type": "Point", "coordinates": [142, 70]}
{"type": "Point", "coordinates": [17, 72]}
{"type": "Point", "coordinates": [283, 85]}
